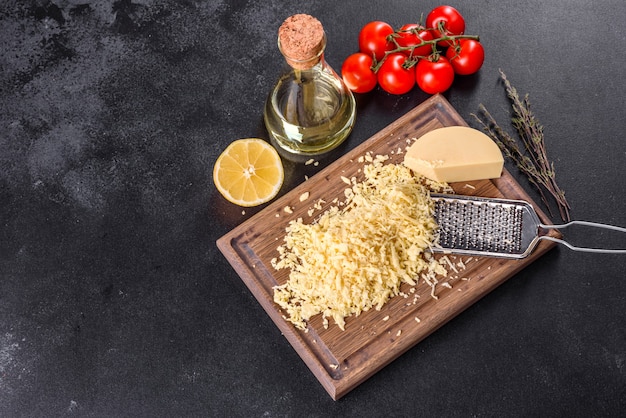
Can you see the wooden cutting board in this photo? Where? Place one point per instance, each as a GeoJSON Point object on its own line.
{"type": "Point", "coordinates": [341, 360]}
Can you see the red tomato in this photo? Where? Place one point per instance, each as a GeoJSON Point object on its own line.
{"type": "Point", "coordinates": [393, 77]}
{"type": "Point", "coordinates": [413, 34]}
{"type": "Point", "coordinates": [466, 56]}
{"type": "Point", "coordinates": [357, 73]}
{"type": "Point", "coordinates": [373, 38]}
{"type": "Point", "coordinates": [434, 76]}
{"type": "Point", "coordinates": [453, 22]}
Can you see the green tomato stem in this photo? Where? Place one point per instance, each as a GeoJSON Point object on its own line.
{"type": "Point", "coordinates": [414, 58]}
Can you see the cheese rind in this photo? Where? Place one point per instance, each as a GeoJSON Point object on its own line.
{"type": "Point", "coordinates": [454, 154]}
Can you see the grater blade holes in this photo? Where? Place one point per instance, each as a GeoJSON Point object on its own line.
{"type": "Point", "coordinates": [479, 226]}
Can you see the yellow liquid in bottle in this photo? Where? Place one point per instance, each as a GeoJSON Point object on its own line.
{"type": "Point", "coordinates": [309, 112]}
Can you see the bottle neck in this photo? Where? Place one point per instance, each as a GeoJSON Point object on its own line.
{"type": "Point", "coordinates": [305, 59]}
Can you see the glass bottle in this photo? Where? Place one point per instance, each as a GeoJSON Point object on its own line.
{"type": "Point", "coordinates": [310, 111]}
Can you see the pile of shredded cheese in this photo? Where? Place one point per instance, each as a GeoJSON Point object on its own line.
{"type": "Point", "coordinates": [355, 256]}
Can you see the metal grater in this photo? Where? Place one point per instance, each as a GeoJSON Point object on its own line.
{"type": "Point", "coordinates": [496, 227]}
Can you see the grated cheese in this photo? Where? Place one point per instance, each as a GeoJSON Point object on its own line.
{"type": "Point", "coordinates": [356, 254]}
{"type": "Point", "coordinates": [447, 260]}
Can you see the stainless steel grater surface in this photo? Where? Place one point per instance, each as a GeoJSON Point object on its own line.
{"type": "Point", "coordinates": [497, 227]}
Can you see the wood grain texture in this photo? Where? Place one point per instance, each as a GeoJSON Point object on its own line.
{"type": "Point", "coordinates": [341, 360]}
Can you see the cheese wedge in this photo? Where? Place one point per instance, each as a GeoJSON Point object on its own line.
{"type": "Point", "coordinates": [454, 154]}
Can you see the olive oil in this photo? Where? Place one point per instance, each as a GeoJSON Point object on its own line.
{"type": "Point", "coordinates": [310, 111]}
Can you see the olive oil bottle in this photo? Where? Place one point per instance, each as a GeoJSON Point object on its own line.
{"type": "Point", "coordinates": [310, 111]}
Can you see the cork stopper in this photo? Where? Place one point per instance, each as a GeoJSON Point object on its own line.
{"type": "Point", "coordinates": [301, 40]}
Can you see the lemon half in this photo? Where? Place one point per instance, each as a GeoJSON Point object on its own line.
{"type": "Point", "coordinates": [249, 172]}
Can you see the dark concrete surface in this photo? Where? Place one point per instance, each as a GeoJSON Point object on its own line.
{"type": "Point", "coordinates": [114, 300]}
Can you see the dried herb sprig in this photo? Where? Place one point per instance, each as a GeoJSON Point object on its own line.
{"type": "Point", "coordinates": [532, 159]}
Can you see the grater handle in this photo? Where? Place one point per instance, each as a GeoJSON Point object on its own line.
{"type": "Point", "coordinates": [584, 249]}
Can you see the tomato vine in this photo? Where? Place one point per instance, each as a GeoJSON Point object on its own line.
{"type": "Point", "coordinates": [440, 40]}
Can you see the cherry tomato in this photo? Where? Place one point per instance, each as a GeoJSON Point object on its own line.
{"type": "Point", "coordinates": [434, 76]}
{"type": "Point", "coordinates": [453, 22]}
{"type": "Point", "coordinates": [393, 77]}
{"type": "Point", "coordinates": [466, 56]}
{"type": "Point", "coordinates": [413, 34]}
{"type": "Point", "coordinates": [357, 73]}
{"type": "Point", "coordinates": [373, 38]}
